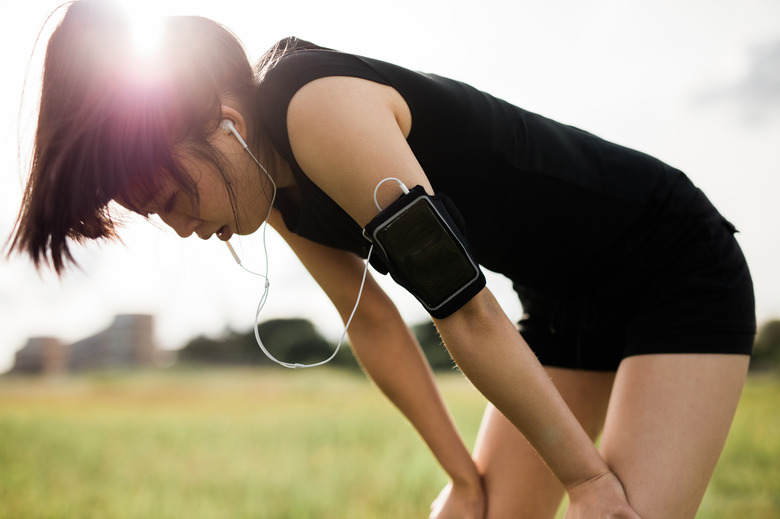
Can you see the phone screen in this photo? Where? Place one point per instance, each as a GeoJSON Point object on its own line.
{"type": "Point", "coordinates": [425, 251]}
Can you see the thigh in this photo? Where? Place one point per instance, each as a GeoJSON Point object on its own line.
{"type": "Point", "coordinates": [666, 425]}
{"type": "Point", "coordinates": [517, 482]}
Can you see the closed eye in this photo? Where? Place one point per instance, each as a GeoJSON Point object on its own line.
{"type": "Point", "coordinates": [170, 204]}
{"type": "Point", "coordinates": [167, 207]}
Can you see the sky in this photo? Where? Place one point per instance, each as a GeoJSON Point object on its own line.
{"type": "Point", "coordinates": [695, 83]}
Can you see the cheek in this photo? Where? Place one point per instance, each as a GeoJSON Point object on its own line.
{"type": "Point", "coordinates": [213, 199]}
{"type": "Point", "coordinates": [215, 202]}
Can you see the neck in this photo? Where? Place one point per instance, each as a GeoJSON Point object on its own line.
{"type": "Point", "coordinates": [283, 175]}
{"type": "Point", "coordinates": [279, 168]}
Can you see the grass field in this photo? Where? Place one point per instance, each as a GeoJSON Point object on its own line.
{"type": "Point", "coordinates": [275, 444]}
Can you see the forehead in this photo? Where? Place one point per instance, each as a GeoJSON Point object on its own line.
{"type": "Point", "coordinates": [191, 172]}
{"type": "Point", "coordinates": [138, 195]}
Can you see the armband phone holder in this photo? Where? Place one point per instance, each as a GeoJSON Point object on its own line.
{"type": "Point", "coordinates": [426, 252]}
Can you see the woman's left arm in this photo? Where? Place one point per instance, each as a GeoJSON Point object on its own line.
{"type": "Point", "coordinates": [391, 356]}
{"type": "Point", "coordinates": [349, 134]}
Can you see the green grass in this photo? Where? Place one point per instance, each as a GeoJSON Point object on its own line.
{"type": "Point", "coordinates": [274, 444]}
{"type": "Point", "coordinates": [746, 482]}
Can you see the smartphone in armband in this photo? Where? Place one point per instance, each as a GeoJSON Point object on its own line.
{"type": "Point", "coordinates": [426, 253]}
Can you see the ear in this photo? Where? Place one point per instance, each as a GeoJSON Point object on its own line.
{"type": "Point", "coordinates": [228, 112]}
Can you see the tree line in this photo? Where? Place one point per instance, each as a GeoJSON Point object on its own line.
{"type": "Point", "coordinates": [766, 349]}
{"type": "Point", "coordinates": [298, 341]}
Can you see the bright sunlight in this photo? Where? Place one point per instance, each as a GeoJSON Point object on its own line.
{"type": "Point", "coordinates": [146, 22]}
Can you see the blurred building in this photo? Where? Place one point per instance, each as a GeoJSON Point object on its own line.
{"type": "Point", "coordinates": [127, 343]}
{"type": "Point", "coordinates": [41, 355]}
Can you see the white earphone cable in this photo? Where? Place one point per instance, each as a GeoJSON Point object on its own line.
{"type": "Point", "coordinates": [228, 126]}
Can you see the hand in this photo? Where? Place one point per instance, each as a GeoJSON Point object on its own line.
{"type": "Point", "coordinates": [459, 501]}
{"type": "Point", "coordinates": [599, 497]}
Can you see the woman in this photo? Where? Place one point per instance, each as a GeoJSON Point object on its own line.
{"type": "Point", "coordinates": [638, 303]}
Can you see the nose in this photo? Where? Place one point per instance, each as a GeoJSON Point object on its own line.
{"type": "Point", "coordinates": [181, 223]}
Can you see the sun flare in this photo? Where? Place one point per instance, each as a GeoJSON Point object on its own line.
{"type": "Point", "coordinates": [146, 25]}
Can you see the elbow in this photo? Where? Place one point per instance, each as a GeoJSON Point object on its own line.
{"type": "Point", "coordinates": [374, 311]}
{"type": "Point", "coordinates": [465, 331]}
{"type": "Point", "coordinates": [481, 310]}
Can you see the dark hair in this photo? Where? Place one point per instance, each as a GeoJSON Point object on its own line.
{"type": "Point", "coordinates": [111, 121]}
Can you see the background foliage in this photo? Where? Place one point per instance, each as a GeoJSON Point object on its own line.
{"type": "Point", "coordinates": [296, 340]}
{"type": "Point", "coordinates": [766, 352]}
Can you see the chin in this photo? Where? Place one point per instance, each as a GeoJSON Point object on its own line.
{"type": "Point", "coordinates": [246, 230]}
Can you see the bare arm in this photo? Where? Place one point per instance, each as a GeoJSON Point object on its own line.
{"type": "Point", "coordinates": [487, 347]}
{"type": "Point", "coordinates": [387, 351]}
{"type": "Point", "coordinates": [349, 134]}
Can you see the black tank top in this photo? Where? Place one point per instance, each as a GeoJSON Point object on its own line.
{"type": "Point", "coordinates": [544, 203]}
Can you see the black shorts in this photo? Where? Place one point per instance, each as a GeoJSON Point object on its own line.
{"type": "Point", "coordinates": [683, 286]}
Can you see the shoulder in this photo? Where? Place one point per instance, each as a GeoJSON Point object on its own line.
{"type": "Point", "coordinates": [321, 88]}
{"type": "Point", "coordinates": [293, 64]}
{"type": "Point", "coordinates": [347, 135]}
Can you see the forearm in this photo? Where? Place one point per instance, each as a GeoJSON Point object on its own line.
{"type": "Point", "coordinates": [386, 349]}
{"type": "Point", "coordinates": [391, 356]}
{"type": "Point", "coordinates": [493, 355]}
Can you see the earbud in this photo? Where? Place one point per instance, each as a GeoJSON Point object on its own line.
{"type": "Point", "coordinates": [228, 126]}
